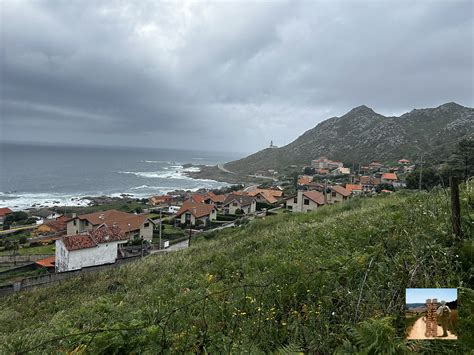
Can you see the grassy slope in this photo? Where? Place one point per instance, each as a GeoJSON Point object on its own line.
{"type": "Point", "coordinates": [288, 282]}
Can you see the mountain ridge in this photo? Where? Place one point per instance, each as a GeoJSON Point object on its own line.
{"type": "Point", "coordinates": [362, 135]}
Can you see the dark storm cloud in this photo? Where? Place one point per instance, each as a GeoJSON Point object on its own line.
{"type": "Point", "coordinates": [232, 75]}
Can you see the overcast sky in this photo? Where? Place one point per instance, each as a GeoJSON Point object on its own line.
{"type": "Point", "coordinates": [220, 75]}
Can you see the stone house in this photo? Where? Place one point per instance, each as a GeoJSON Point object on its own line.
{"type": "Point", "coordinates": [134, 226]}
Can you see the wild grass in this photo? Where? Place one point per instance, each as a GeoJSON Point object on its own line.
{"type": "Point", "coordinates": [328, 281]}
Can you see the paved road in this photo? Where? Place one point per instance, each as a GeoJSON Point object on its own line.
{"type": "Point", "coordinates": [174, 247]}
{"type": "Point", "coordinates": [221, 167]}
{"type": "Point", "coordinates": [15, 229]}
{"type": "Point", "coordinates": [419, 328]}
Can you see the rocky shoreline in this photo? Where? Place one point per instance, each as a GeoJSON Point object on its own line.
{"type": "Point", "coordinates": [214, 173]}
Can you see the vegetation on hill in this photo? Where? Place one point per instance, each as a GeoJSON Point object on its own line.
{"type": "Point", "coordinates": [363, 135]}
{"type": "Point", "coordinates": [328, 281]}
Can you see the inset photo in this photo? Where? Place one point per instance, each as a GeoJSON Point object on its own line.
{"type": "Point", "coordinates": [431, 313]}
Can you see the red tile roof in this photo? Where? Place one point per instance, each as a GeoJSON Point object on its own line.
{"type": "Point", "coordinates": [315, 196]}
{"type": "Point", "coordinates": [198, 198]}
{"type": "Point", "coordinates": [198, 210]}
{"type": "Point", "coordinates": [160, 199]}
{"type": "Point", "coordinates": [304, 180]}
{"type": "Point", "coordinates": [340, 190]}
{"type": "Point", "coordinates": [4, 211]}
{"type": "Point", "coordinates": [59, 224]}
{"type": "Point", "coordinates": [243, 200]}
{"type": "Point", "coordinates": [213, 197]}
{"type": "Point", "coordinates": [100, 235]}
{"type": "Point", "coordinates": [125, 221]}
{"type": "Point", "coordinates": [47, 262]}
{"type": "Point", "coordinates": [352, 187]}
{"type": "Point", "coordinates": [390, 176]}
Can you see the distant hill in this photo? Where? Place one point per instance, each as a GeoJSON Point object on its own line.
{"type": "Point", "coordinates": [415, 305]}
{"type": "Point", "coordinates": [362, 135]}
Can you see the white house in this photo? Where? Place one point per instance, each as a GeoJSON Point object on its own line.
{"type": "Point", "coordinates": [232, 203]}
{"type": "Point", "coordinates": [337, 194]}
{"type": "Point", "coordinates": [305, 201]}
{"type": "Point", "coordinates": [95, 247]}
{"type": "Point", "coordinates": [196, 213]}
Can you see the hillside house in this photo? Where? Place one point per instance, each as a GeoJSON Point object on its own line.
{"type": "Point", "coordinates": [325, 163]}
{"type": "Point", "coordinates": [56, 227]}
{"type": "Point", "coordinates": [94, 247]}
{"type": "Point", "coordinates": [213, 199]}
{"type": "Point", "coordinates": [196, 213]}
{"type": "Point", "coordinates": [47, 214]}
{"type": "Point", "coordinates": [4, 211]}
{"type": "Point", "coordinates": [134, 226]}
{"type": "Point", "coordinates": [233, 203]}
{"type": "Point", "coordinates": [388, 178]}
{"type": "Point", "coordinates": [337, 194]}
{"type": "Point", "coordinates": [160, 200]}
{"type": "Point", "coordinates": [341, 171]}
{"type": "Point", "coordinates": [268, 196]}
{"type": "Point", "coordinates": [305, 201]}
{"type": "Point", "coordinates": [369, 183]}
{"type": "Point", "coordinates": [304, 180]}
{"type": "Point", "coordinates": [404, 162]}
{"type": "Point", "coordinates": [354, 189]}
{"type": "Point", "coordinates": [375, 166]}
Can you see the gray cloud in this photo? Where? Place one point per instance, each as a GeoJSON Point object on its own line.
{"type": "Point", "coordinates": [226, 76]}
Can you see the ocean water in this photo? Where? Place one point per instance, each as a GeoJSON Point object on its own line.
{"type": "Point", "coordinates": [48, 175]}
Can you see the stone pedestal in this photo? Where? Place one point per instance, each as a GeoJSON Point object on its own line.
{"type": "Point", "coordinates": [431, 318]}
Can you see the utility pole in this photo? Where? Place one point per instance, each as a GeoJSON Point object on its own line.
{"type": "Point", "coordinates": [421, 173]}
{"type": "Point", "coordinates": [325, 191]}
{"type": "Point", "coordinates": [189, 238]}
{"type": "Point", "coordinates": [161, 227]}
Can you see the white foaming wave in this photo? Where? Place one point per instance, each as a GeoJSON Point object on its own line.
{"type": "Point", "coordinates": [144, 187]}
{"type": "Point", "coordinates": [21, 201]}
{"type": "Point", "coordinates": [177, 173]}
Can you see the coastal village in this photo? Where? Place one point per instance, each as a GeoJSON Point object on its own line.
{"type": "Point", "coordinates": [62, 240]}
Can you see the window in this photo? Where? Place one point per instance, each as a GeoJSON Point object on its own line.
{"type": "Point", "coordinates": [147, 224]}
{"type": "Point", "coordinates": [87, 223]}
{"type": "Point", "coordinates": [333, 194]}
{"type": "Point", "coordinates": [306, 202]}
{"type": "Point", "coordinates": [295, 200]}
{"type": "Point", "coordinates": [235, 204]}
{"type": "Point", "coordinates": [75, 222]}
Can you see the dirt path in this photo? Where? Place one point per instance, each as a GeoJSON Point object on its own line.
{"type": "Point", "coordinates": [419, 328]}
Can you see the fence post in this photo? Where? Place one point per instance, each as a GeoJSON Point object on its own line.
{"type": "Point", "coordinates": [455, 206]}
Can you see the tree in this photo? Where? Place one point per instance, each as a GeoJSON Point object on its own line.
{"type": "Point", "coordinates": [15, 217]}
{"type": "Point", "coordinates": [309, 170]}
{"type": "Point", "coordinates": [430, 178]}
{"type": "Point", "coordinates": [461, 163]}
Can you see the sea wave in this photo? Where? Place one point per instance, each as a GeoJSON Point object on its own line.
{"type": "Point", "coordinates": [20, 201]}
{"type": "Point", "coordinates": [178, 172]}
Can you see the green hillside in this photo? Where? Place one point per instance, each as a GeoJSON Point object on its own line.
{"type": "Point", "coordinates": [331, 280]}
